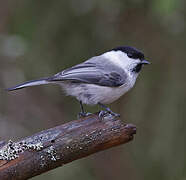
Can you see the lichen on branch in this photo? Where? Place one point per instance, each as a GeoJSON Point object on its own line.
{"type": "Point", "coordinates": [60, 145]}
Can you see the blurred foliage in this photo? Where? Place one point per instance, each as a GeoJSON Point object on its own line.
{"type": "Point", "coordinates": [40, 38]}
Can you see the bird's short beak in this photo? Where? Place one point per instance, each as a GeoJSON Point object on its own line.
{"type": "Point", "coordinates": [145, 62]}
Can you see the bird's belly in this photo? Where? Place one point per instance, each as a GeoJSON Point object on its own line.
{"type": "Point", "coordinates": [92, 94]}
{"type": "Point", "coordinates": [113, 93]}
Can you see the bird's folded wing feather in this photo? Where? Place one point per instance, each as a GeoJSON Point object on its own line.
{"type": "Point", "coordinates": [92, 74]}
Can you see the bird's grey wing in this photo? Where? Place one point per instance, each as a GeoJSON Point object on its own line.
{"type": "Point", "coordinates": [92, 72]}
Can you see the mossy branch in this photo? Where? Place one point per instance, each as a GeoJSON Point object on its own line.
{"type": "Point", "coordinates": [60, 145]}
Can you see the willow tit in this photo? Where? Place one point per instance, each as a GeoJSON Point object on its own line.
{"type": "Point", "coordinates": [99, 80]}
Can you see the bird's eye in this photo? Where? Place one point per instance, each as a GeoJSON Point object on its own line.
{"type": "Point", "coordinates": [130, 55]}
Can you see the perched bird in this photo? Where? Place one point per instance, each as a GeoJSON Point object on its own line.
{"type": "Point", "coordinates": [99, 80]}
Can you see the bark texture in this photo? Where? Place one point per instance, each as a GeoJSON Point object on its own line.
{"type": "Point", "coordinates": [57, 146]}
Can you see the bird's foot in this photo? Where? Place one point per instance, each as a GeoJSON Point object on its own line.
{"type": "Point", "coordinates": [102, 114]}
{"type": "Point", "coordinates": [83, 114]}
{"type": "Point", "coordinates": [108, 112]}
{"type": "Point", "coordinates": [114, 114]}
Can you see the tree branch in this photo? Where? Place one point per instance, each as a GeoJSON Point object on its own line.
{"type": "Point", "coordinates": [57, 146]}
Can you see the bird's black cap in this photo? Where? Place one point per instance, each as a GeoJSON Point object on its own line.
{"type": "Point", "coordinates": [130, 51]}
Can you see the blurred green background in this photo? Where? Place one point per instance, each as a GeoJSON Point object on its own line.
{"type": "Point", "coordinates": [41, 38]}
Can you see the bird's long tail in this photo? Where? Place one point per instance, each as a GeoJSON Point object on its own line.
{"type": "Point", "coordinates": [30, 83]}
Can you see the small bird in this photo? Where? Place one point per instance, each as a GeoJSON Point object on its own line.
{"type": "Point", "coordinates": [99, 80]}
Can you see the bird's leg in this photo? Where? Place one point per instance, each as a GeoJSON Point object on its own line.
{"type": "Point", "coordinates": [107, 110]}
{"type": "Point", "coordinates": [82, 113]}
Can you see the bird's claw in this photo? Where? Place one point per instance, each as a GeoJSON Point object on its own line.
{"type": "Point", "coordinates": [102, 114]}
{"type": "Point", "coordinates": [105, 113]}
{"type": "Point", "coordinates": [114, 114]}
{"type": "Point", "coordinates": [83, 114]}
